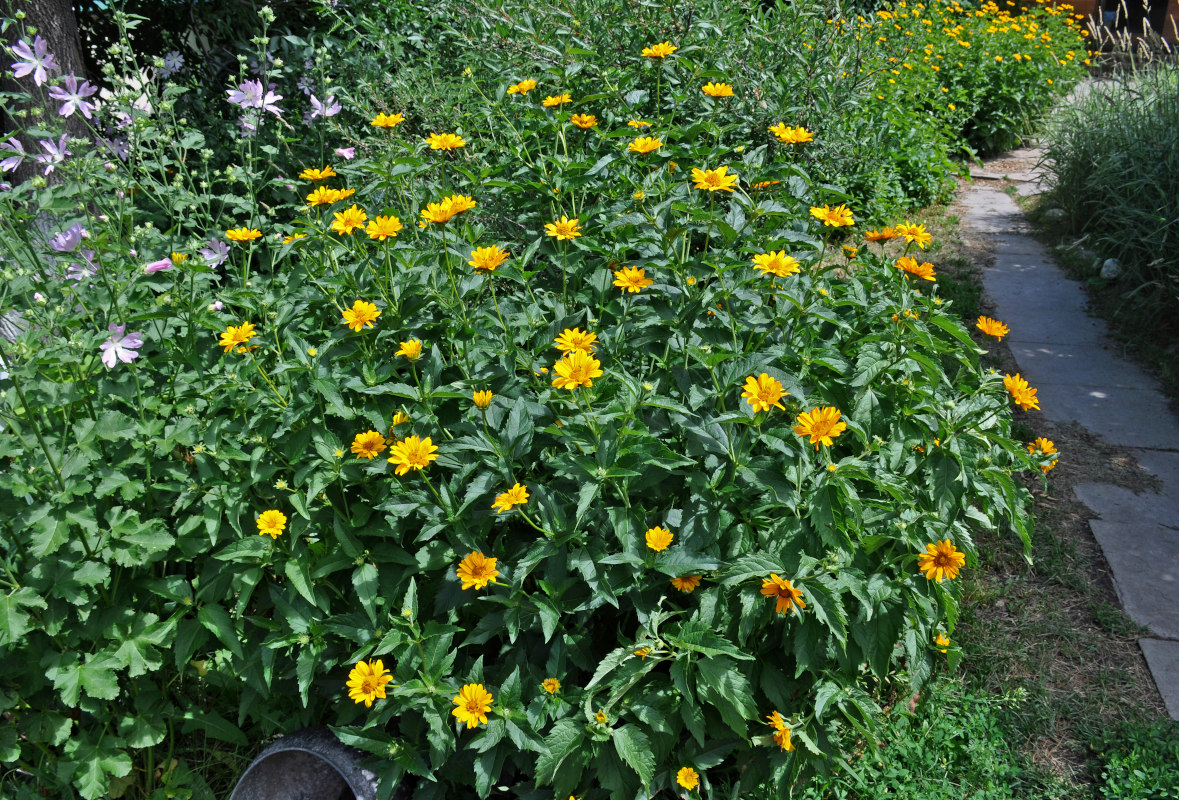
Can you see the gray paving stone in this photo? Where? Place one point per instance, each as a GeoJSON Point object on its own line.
{"type": "Point", "coordinates": [1163, 660]}
{"type": "Point", "coordinates": [1122, 415]}
{"type": "Point", "coordinates": [1077, 365]}
{"type": "Point", "coordinates": [1163, 465]}
{"type": "Point", "coordinates": [1144, 559]}
{"type": "Point", "coordinates": [1114, 503]}
{"type": "Point", "coordinates": [992, 211]}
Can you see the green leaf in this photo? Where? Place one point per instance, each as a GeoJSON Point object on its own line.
{"type": "Point", "coordinates": [634, 748]}
{"type": "Point", "coordinates": [696, 636]}
{"type": "Point", "coordinates": [14, 622]}
{"type": "Point", "coordinates": [216, 619]}
{"type": "Point", "coordinates": [364, 580]}
{"type": "Point", "coordinates": [214, 726]}
{"type": "Point", "coordinates": [729, 691]}
{"type": "Point", "coordinates": [299, 574]}
{"type": "Point", "coordinates": [563, 740]}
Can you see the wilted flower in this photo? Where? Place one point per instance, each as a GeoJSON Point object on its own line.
{"type": "Point", "coordinates": [120, 347]}
{"type": "Point", "coordinates": [788, 597]}
{"type": "Point", "coordinates": [327, 108]}
{"type": "Point", "coordinates": [1023, 394]}
{"type": "Point", "coordinates": [992, 327]}
{"type": "Point", "coordinates": [347, 153]}
{"type": "Point", "coordinates": [14, 146]}
{"type": "Point", "coordinates": [215, 254]}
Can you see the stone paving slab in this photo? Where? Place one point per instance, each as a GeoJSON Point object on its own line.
{"type": "Point", "coordinates": [1163, 660]}
{"type": "Point", "coordinates": [1144, 559]}
{"type": "Point", "coordinates": [1066, 355]}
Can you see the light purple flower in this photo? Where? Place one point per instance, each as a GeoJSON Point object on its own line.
{"type": "Point", "coordinates": [347, 153]}
{"type": "Point", "coordinates": [119, 347]}
{"type": "Point", "coordinates": [215, 254]}
{"type": "Point", "coordinates": [216, 305]}
{"type": "Point", "coordinates": [328, 108]}
{"type": "Point", "coordinates": [162, 265]}
{"type": "Point", "coordinates": [87, 269]}
{"type": "Point", "coordinates": [55, 152]}
{"type": "Point", "coordinates": [67, 241]}
{"type": "Point", "coordinates": [268, 103]}
{"type": "Point", "coordinates": [173, 63]}
{"type": "Point", "coordinates": [73, 97]}
{"type": "Point", "coordinates": [36, 60]}
{"type": "Point", "coordinates": [248, 95]}
{"type": "Point", "coordinates": [305, 84]}
{"type": "Point", "coordinates": [13, 145]}
{"type": "Point", "coordinates": [117, 148]}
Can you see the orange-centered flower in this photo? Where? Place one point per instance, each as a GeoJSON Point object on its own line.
{"type": "Point", "coordinates": [942, 641]}
{"type": "Point", "coordinates": [235, 335]}
{"type": "Point", "coordinates": [714, 180]}
{"type": "Point", "coordinates": [1023, 395]}
{"type": "Point", "coordinates": [555, 100]}
{"type": "Point", "coordinates": [551, 685]}
{"type": "Point", "coordinates": [384, 120]}
{"type": "Point", "coordinates": [922, 270]}
{"type": "Point", "coordinates": [271, 523]}
{"type": "Point", "coordinates": [632, 279]}
{"type": "Point", "coordinates": [763, 392]}
{"type": "Point", "coordinates": [687, 584]}
{"type": "Point", "coordinates": [662, 50]}
{"type": "Point", "coordinates": [368, 445]}
{"type": "Point", "coordinates": [914, 234]}
{"type": "Point", "coordinates": [821, 424]}
{"type": "Point", "coordinates": [941, 560]}
{"type": "Point", "coordinates": [837, 217]}
{"type": "Point", "coordinates": [487, 258]}
{"type": "Point", "coordinates": [882, 235]}
{"type": "Point", "coordinates": [572, 339]}
{"type": "Point", "coordinates": [687, 778]}
{"type": "Point", "coordinates": [564, 228]}
{"type": "Point", "coordinates": [412, 453]}
{"type": "Point", "coordinates": [717, 89]}
{"type": "Point", "coordinates": [381, 228]}
{"type": "Point", "coordinates": [788, 598]}
{"type": "Point", "coordinates": [366, 682]}
{"type": "Point", "coordinates": [1046, 447]}
{"type": "Point", "coordinates": [577, 368]}
{"type": "Point", "coordinates": [992, 327]}
{"type": "Point", "coordinates": [584, 121]}
{"type": "Point", "coordinates": [776, 263]}
{"type": "Point", "coordinates": [313, 174]}
{"type": "Point", "coordinates": [781, 731]}
{"type": "Point", "coordinates": [791, 135]}
{"type": "Point", "coordinates": [349, 220]}
{"type": "Point", "coordinates": [473, 702]}
{"type": "Point", "coordinates": [645, 144]}
{"type": "Point", "coordinates": [523, 87]}
{"type": "Point", "coordinates": [362, 313]}
{"type": "Point", "coordinates": [476, 571]}
{"type": "Point", "coordinates": [506, 501]}
{"type": "Point", "coordinates": [445, 141]}
{"type": "Point", "coordinates": [658, 538]}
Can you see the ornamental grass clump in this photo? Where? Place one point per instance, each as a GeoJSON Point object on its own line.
{"type": "Point", "coordinates": [576, 484]}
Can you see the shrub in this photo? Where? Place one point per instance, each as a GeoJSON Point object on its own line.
{"type": "Point", "coordinates": [1141, 762]}
{"type": "Point", "coordinates": [615, 511]}
{"type": "Point", "coordinates": [1114, 170]}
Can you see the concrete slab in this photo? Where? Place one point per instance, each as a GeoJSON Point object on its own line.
{"type": "Point", "coordinates": [1144, 559]}
{"type": "Point", "coordinates": [1122, 415]}
{"type": "Point", "coordinates": [1163, 464]}
{"type": "Point", "coordinates": [1163, 660]}
{"type": "Point", "coordinates": [1114, 503]}
{"type": "Point", "coordinates": [1077, 365]}
{"type": "Point", "coordinates": [992, 211]}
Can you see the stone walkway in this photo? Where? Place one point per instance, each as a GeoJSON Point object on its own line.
{"type": "Point", "coordinates": [1065, 354]}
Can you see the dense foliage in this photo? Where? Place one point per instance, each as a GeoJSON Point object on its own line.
{"type": "Point", "coordinates": [600, 422]}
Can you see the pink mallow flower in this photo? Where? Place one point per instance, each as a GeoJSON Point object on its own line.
{"type": "Point", "coordinates": [158, 266]}
{"type": "Point", "coordinates": [119, 347]}
{"type": "Point", "coordinates": [348, 153]}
